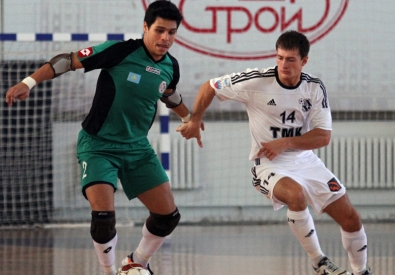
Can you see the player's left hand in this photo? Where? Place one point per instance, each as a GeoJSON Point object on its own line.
{"type": "Point", "coordinates": [272, 149]}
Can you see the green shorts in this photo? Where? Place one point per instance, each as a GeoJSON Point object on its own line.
{"type": "Point", "coordinates": [136, 165]}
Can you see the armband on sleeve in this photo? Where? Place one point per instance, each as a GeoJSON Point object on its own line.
{"type": "Point", "coordinates": [61, 64]}
{"type": "Point", "coordinates": [172, 100]}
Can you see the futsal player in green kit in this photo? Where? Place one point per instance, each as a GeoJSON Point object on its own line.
{"type": "Point", "coordinates": [113, 142]}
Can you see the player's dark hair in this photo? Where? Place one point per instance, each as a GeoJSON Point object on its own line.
{"type": "Point", "coordinates": [291, 40]}
{"type": "Point", "coordinates": [163, 9]}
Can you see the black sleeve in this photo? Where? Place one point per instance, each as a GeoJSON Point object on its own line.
{"type": "Point", "coordinates": [176, 73]}
{"type": "Point", "coordinates": [110, 56]}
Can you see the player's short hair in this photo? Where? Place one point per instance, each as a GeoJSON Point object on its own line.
{"type": "Point", "coordinates": [291, 40]}
{"type": "Point", "coordinates": [163, 9]}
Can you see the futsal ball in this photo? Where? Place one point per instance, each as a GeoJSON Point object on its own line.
{"type": "Point", "coordinates": [134, 269]}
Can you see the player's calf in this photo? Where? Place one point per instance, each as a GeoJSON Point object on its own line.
{"type": "Point", "coordinates": [155, 229]}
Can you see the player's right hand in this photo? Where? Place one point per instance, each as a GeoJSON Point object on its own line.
{"type": "Point", "coordinates": [20, 91]}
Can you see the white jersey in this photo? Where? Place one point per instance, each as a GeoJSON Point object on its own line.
{"type": "Point", "coordinates": [275, 110]}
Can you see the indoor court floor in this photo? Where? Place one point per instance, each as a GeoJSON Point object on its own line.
{"type": "Point", "coordinates": [268, 249]}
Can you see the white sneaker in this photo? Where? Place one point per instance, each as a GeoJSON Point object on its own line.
{"type": "Point", "coordinates": [326, 267]}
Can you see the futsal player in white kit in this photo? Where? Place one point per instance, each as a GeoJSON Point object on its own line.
{"type": "Point", "coordinates": [289, 116]}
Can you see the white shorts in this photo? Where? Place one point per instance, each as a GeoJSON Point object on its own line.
{"type": "Point", "coordinates": [320, 185]}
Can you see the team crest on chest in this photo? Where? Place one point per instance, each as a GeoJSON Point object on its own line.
{"type": "Point", "coordinates": [162, 87]}
{"type": "Point", "coordinates": [306, 104]}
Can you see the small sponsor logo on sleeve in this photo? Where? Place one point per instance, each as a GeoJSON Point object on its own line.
{"type": "Point", "coordinates": [222, 83]}
{"type": "Point", "coordinates": [85, 52]}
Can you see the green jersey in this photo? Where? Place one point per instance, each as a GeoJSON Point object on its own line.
{"type": "Point", "coordinates": [128, 89]}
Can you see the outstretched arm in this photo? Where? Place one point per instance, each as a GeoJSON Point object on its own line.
{"type": "Point", "coordinates": [203, 100]}
{"type": "Point", "coordinates": [21, 90]}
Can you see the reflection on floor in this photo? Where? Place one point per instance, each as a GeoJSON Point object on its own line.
{"type": "Point", "coordinates": [190, 250]}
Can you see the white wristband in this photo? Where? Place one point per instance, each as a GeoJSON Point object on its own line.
{"type": "Point", "coordinates": [186, 118]}
{"type": "Point", "coordinates": [30, 82]}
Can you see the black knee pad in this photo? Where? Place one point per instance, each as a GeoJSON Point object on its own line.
{"type": "Point", "coordinates": [162, 225]}
{"type": "Point", "coordinates": [103, 226]}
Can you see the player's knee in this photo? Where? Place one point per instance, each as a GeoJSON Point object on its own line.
{"type": "Point", "coordinates": [291, 194]}
{"type": "Point", "coordinates": [299, 200]}
{"type": "Point", "coordinates": [103, 226]}
{"type": "Point", "coordinates": [296, 198]}
{"type": "Point", "coordinates": [350, 221]}
{"type": "Point", "coordinates": [162, 225]}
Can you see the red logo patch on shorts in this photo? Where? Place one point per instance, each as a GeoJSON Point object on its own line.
{"type": "Point", "coordinates": [85, 52]}
{"type": "Point", "coordinates": [334, 185]}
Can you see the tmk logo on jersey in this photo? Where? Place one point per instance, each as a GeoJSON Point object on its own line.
{"type": "Point", "coordinates": [306, 104]}
{"type": "Point", "coordinates": [152, 70]}
{"type": "Point", "coordinates": [215, 28]}
{"type": "Point", "coordinates": [222, 83]}
{"type": "Point", "coordinates": [85, 52]}
{"type": "Point", "coordinates": [133, 77]}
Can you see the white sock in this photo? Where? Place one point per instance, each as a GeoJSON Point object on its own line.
{"type": "Point", "coordinates": [147, 247]}
{"type": "Point", "coordinates": [302, 226]}
{"type": "Point", "coordinates": [355, 243]}
{"type": "Point", "coordinates": [106, 254]}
